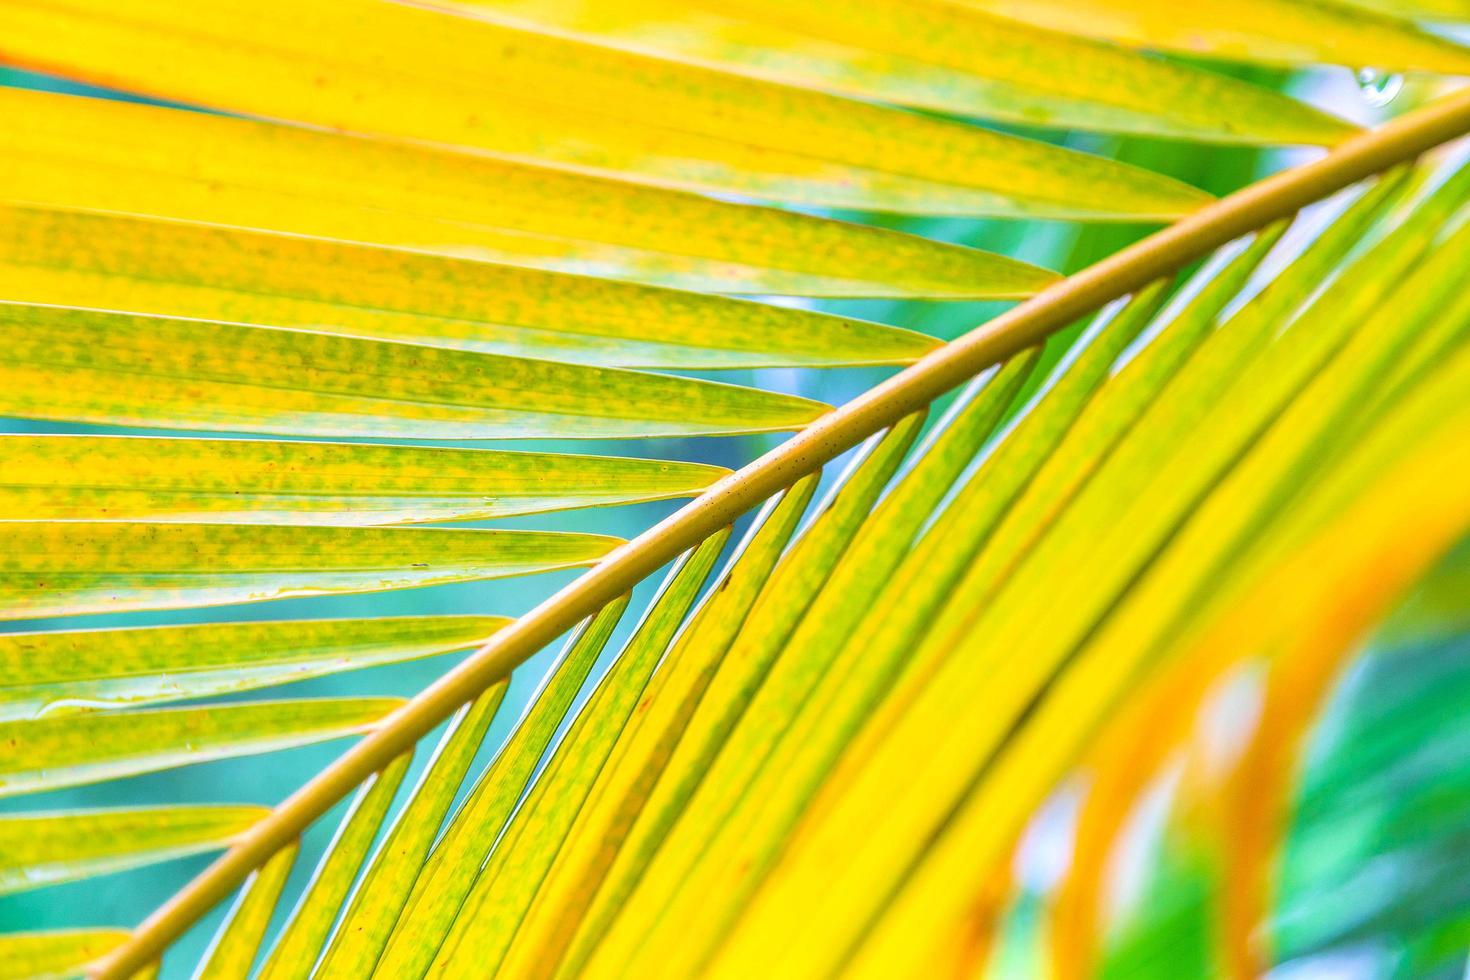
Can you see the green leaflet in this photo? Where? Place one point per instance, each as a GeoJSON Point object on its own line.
{"type": "Point", "coordinates": [306, 931]}
{"type": "Point", "coordinates": [39, 849]}
{"type": "Point", "coordinates": [419, 74]}
{"type": "Point", "coordinates": [248, 481]}
{"type": "Point", "coordinates": [91, 366]}
{"type": "Point", "coordinates": [55, 954]}
{"type": "Point", "coordinates": [92, 747]}
{"type": "Point", "coordinates": [103, 261]}
{"type": "Point", "coordinates": [448, 876]}
{"type": "Point", "coordinates": [74, 567]}
{"type": "Point", "coordinates": [50, 672]}
{"type": "Point", "coordinates": [1368, 796]}
{"type": "Point", "coordinates": [943, 57]}
{"type": "Point", "coordinates": [380, 895]}
{"type": "Point", "coordinates": [234, 947]}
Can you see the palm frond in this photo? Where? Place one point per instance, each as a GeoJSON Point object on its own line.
{"type": "Point", "coordinates": [484, 221]}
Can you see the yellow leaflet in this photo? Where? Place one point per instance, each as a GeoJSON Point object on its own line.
{"type": "Point", "coordinates": [238, 481]}
{"type": "Point", "coordinates": [640, 797]}
{"type": "Point", "coordinates": [1284, 32]}
{"type": "Point", "coordinates": [301, 939]}
{"type": "Point", "coordinates": [233, 950]}
{"type": "Point", "coordinates": [1119, 763]}
{"type": "Point", "coordinates": [1346, 553]}
{"type": "Point", "coordinates": [520, 854]}
{"type": "Point", "coordinates": [1123, 771]}
{"type": "Point", "coordinates": [103, 155]}
{"type": "Point", "coordinates": [79, 259]}
{"type": "Point", "coordinates": [38, 849]}
{"type": "Point", "coordinates": [74, 567]}
{"type": "Point", "coordinates": [753, 836]}
{"type": "Point", "coordinates": [1094, 553]}
{"type": "Point", "coordinates": [54, 954]}
{"type": "Point", "coordinates": [93, 747]}
{"type": "Point", "coordinates": [940, 56]}
{"type": "Point", "coordinates": [109, 368]}
{"type": "Point", "coordinates": [611, 731]}
{"type": "Point", "coordinates": [449, 873]}
{"type": "Point", "coordinates": [410, 72]}
{"type": "Point", "coordinates": [654, 888]}
{"type": "Point", "coordinates": [383, 890]}
{"type": "Point", "coordinates": [46, 672]}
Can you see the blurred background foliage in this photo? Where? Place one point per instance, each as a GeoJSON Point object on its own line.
{"type": "Point", "coordinates": [1380, 838]}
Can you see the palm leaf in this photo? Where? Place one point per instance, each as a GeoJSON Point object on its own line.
{"type": "Point", "coordinates": [68, 568]}
{"type": "Point", "coordinates": [190, 374]}
{"type": "Point", "coordinates": [57, 953]}
{"type": "Point", "coordinates": [820, 760]}
{"type": "Point", "coordinates": [942, 57]}
{"type": "Point", "coordinates": [114, 158]}
{"type": "Point", "coordinates": [527, 95]}
{"type": "Point", "coordinates": [239, 481]}
{"type": "Point", "coordinates": [52, 672]}
{"type": "Point", "coordinates": [47, 848]}
{"type": "Point", "coordinates": [274, 281]}
{"type": "Point", "coordinates": [49, 753]}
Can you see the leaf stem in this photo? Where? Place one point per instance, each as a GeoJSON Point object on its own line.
{"type": "Point", "coordinates": [1029, 323]}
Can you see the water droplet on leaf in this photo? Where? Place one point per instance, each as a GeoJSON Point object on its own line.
{"type": "Point", "coordinates": [1379, 87]}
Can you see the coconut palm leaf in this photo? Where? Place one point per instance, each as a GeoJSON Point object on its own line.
{"type": "Point", "coordinates": [527, 95]}
{"type": "Point", "coordinates": [47, 848]}
{"type": "Point", "coordinates": [255, 481]}
{"type": "Point", "coordinates": [943, 57]}
{"type": "Point", "coordinates": [49, 672]}
{"type": "Point", "coordinates": [464, 224]}
{"type": "Point", "coordinates": [57, 953]}
{"type": "Point", "coordinates": [113, 158]}
{"type": "Point", "coordinates": [271, 280]}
